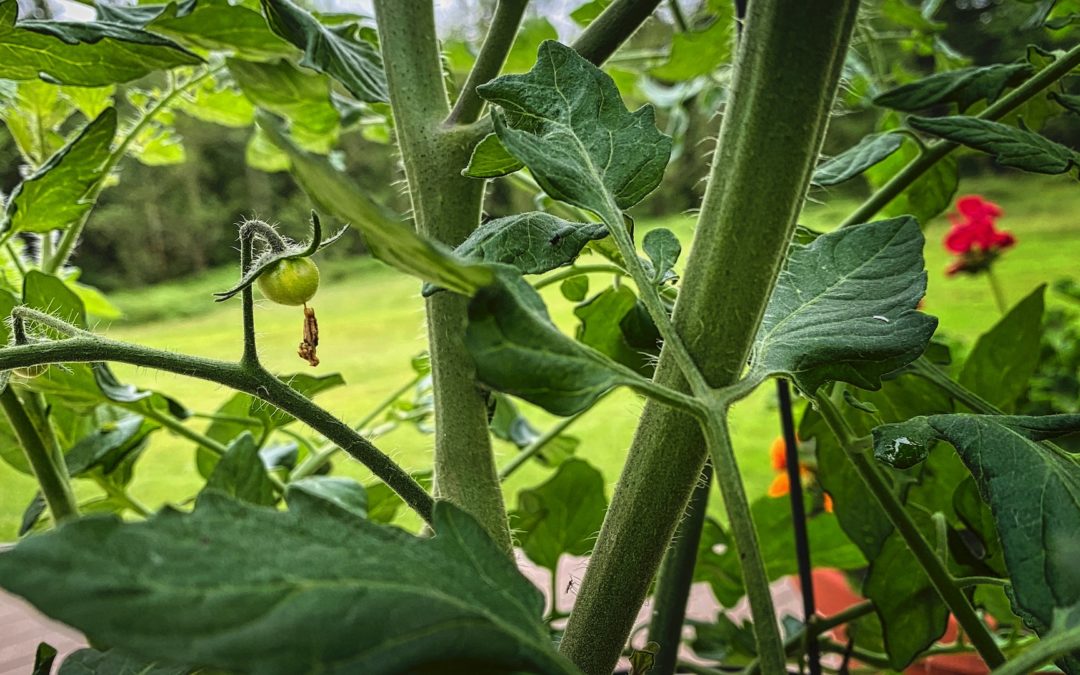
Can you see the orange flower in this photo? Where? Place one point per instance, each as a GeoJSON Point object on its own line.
{"type": "Point", "coordinates": [781, 484]}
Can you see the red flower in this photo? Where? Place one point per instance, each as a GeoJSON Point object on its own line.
{"type": "Point", "coordinates": [973, 236]}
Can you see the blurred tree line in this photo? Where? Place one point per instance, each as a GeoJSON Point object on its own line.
{"type": "Point", "coordinates": [172, 221]}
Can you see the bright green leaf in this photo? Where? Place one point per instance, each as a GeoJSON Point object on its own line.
{"type": "Point", "coordinates": [219, 102]}
{"type": "Point", "coordinates": [964, 87]}
{"type": "Point", "coordinates": [83, 54]}
{"type": "Point", "coordinates": [217, 25]}
{"type": "Point", "coordinates": [337, 50]}
{"type": "Point", "coordinates": [857, 159]}
{"type": "Point", "coordinates": [565, 120]}
{"type": "Point", "coordinates": [490, 159]}
{"type": "Point", "coordinates": [532, 33]}
{"type": "Point", "coordinates": [562, 516]}
{"type": "Point", "coordinates": [601, 326]}
{"type": "Point", "coordinates": [519, 351]}
{"type": "Point", "coordinates": [303, 98]}
{"type": "Point", "coordinates": [844, 308]}
{"type": "Point", "coordinates": [576, 288]}
{"type": "Point", "coordinates": [108, 445]}
{"type": "Point", "coordinates": [1010, 146]}
{"type": "Point", "coordinates": [390, 241]}
{"type": "Point", "coordinates": [330, 594]}
{"type": "Point", "coordinates": [60, 193]}
{"type": "Point", "coordinates": [1004, 358]}
{"type": "Point", "coordinates": [697, 53]}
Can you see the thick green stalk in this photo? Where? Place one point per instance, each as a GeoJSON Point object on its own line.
{"type": "Point", "coordinates": [446, 207]}
{"type": "Point", "coordinates": [676, 576]}
{"type": "Point", "coordinates": [48, 467]}
{"type": "Point", "coordinates": [935, 569]}
{"type": "Point", "coordinates": [613, 27]}
{"type": "Point", "coordinates": [937, 151]}
{"type": "Point", "coordinates": [786, 74]}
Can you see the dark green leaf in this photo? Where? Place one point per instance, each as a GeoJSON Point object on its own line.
{"type": "Point", "coordinates": [43, 659]}
{"type": "Point", "coordinates": [853, 161]}
{"type": "Point", "coordinates": [389, 240]}
{"type": "Point", "coordinates": [964, 87]}
{"type": "Point", "coordinates": [1010, 146]}
{"type": "Point", "coordinates": [725, 641]}
{"type": "Point", "coordinates": [912, 614]}
{"type": "Point", "coordinates": [302, 97]}
{"type": "Point", "coordinates": [1033, 492]}
{"type": "Point", "coordinates": [113, 662]}
{"type": "Point", "coordinates": [1067, 101]}
{"type": "Point", "coordinates": [241, 475]}
{"type": "Point", "coordinates": [490, 159]}
{"type": "Point", "coordinates": [533, 242]}
{"type": "Point", "coordinates": [928, 196]}
{"type": "Point", "coordinates": [311, 495]}
{"type": "Point", "coordinates": [663, 249]}
{"type": "Point", "coordinates": [565, 120]}
{"type": "Point", "coordinates": [383, 503]}
{"type": "Point", "coordinates": [223, 431]}
{"type": "Point", "coordinates": [82, 54]}
{"type": "Point", "coordinates": [217, 586]}
{"type": "Point", "coordinates": [519, 351]}
{"type": "Point", "coordinates": [844, 308]}
{"type": "Point", "coordinates": [61, 192]}
{"type": "Point", "coordinates": [561, 516]}
{"type": "Point", "coordinates": [108, 445]}
{"type": "Point", "coordinates": [337, 50]}
{"type": "Point", "coordinates": [32, 513]}
{"type": "Point", "coordinates": [601, 328]}
{"type": "Point", "coordinates": [1003, 360]}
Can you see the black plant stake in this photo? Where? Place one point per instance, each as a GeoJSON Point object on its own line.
{"type": "Point", "coordinates": [798, 519]}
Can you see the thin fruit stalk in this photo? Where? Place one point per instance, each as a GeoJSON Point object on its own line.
{"type": "Point", "coordinates": [786, 75]}
{"type": "Point", "coordinates": [446, 207]}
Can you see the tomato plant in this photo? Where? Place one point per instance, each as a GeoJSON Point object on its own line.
{"type": "Point", "coordinates": [919, 478]}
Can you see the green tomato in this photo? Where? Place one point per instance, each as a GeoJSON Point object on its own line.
{"type": "Point", "coordinates": [292, 281]}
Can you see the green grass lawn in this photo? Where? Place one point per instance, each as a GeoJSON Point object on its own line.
{"type": "Point", "coordinates": [371, 323]}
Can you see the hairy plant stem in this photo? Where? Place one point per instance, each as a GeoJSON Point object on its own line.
{"type": "Point", "coordinates": [935, 569]}
{"type": "Point", "coordinates": [675, 577]}
{"type": "Point", "coordinates": [784, 81]}
{"type": "Point", "coordinates": [614, 26]}
{"type": "Point", "coordinates": [84, 347]}
{"type": "Point", "coordinates": [938, 150]}
{"type": "Point", "coordinates": [47, 465]}
{"type": "Point", "coordinates": [497, 43]}
{"type": "Point", "coordinates": [446, 207]}
{"type": "Point", "coordinates": [1047, 649]}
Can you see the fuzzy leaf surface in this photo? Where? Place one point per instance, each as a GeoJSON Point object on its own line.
{"type": "Point", "coordinates": [1010, 146]}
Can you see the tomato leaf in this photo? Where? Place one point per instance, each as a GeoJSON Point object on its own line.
{"type": "Point", "coordinates": [241, 475]}
{"type": "Point", "coordinates": [490, 159]}
{"type": "Point", "coordinates": [534, 242]}
{"type": "Point", "coordinates": [229, 579]}
{"type": "Point", "coordinates": [83, 54]}
{"type": "Point", "coordinates": [1033, 492]}
{"type": "Point", "coordinates": [337, 51]}
{"type": "Point", "coordinates": [316, 493]}
{"type": "Point", "coordinates": [565, 120]}
{"type": "Point", "coordinates": [1010, 146]}
{"type": "Point", "coordinates": [857, 159]}
{"type": "Point", "coordinates": [844, 308]}
{"type": "Point", "coordinates": [929, 195]}
{"type": "Point", "coordinates": [93, 662]}
{"type": "Point", "coordinates": [561, 516]}
{"type": "Point", "coordinates": [663, 249]}
{"type": "Point", "coordinates": [963, 86]}
{"type": "Point", "coordinates": [60, 193]}
{"type": "Point", "coordinates": [300, 96]}
{"type": "Point", "coordinates": [519, 351]}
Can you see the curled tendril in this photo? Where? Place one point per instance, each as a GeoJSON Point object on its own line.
{"type": "Point", "coordinates": [277, 249]}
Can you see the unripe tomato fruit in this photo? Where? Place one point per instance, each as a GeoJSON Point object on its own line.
{"type": "Point", "coordinates": [292, 281]}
